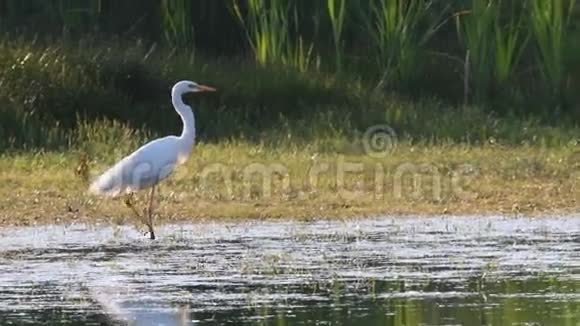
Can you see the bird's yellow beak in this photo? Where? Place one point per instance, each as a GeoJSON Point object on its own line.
{"type": "Point", "coordinates": [203, 88]}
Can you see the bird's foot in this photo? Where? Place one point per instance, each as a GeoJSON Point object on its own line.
{"type": "Point", "coordinates": [151, 235]}
{"type": "Point", "coordinates": [150, 232]}
{"type": "Point", "coordinates": [149, 222]}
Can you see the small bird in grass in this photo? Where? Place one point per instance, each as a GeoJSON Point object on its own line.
{"type": "Point", "coordinates": [154, 161]}
{"type": "Point", "coordinates": [82, 169]}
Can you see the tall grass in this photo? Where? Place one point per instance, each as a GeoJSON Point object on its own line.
{"type": "Point", "coordinates": [25, 131]}
{"type": "Point", "coordinates": [399, 33]}
{"type": "Point", "coordinates": [57, 97]}
{"type": "Point", "coordinates": [477, 30]}
{"type": "Point", "coordinates": [511, 40]}
{"type": "Point", "coordinates": [336, 13]}
{"type": "Point", "coordinates": [269, 30]}
{"type": "Point", "coordinates": [549, 20]}
{"type": "Point", "coordinates": [49, 87]}
{"type": "Point", "coordinates": [267, 27]}
{"type": "Point", "coordinates": [177, 24]}
{"type": "Point", "coordinates": [495, 36]}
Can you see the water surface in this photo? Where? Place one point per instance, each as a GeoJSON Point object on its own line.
{"type": "Point", "coordinates": [383, 271]}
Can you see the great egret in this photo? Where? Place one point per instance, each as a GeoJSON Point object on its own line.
{"type": "Point", "coordinates": [154, 161]}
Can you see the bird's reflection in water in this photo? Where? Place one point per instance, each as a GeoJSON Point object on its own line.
{"type": "Point", "coordinates": [138, 314]}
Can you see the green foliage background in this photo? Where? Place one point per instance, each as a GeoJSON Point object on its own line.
{"type": "Point", "coordinates": [435, 70]}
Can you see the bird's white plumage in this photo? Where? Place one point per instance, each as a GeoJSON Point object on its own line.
{"type": "Point", "coordinates": [155, 160]}
{"type": "Point", "coordinates": [142, 169]}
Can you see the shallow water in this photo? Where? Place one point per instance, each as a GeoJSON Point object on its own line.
{"type": "Point", "coordinates": [385, 271]}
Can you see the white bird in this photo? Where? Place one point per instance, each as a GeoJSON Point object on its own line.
{"type": "Point", "coordinates": [154, 161]}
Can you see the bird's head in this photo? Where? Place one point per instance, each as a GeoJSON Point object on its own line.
{"type": "Point", "coordinates": [186, 86]}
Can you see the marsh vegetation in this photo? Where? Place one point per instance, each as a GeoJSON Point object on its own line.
{"type": "Point", "coordinates": [488, 85]}
{"type": "Point", "coordinates": [436, 71]}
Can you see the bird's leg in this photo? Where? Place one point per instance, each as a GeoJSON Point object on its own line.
{"type": "Point", "coordinates": [130, 203]}
{"type": "Point", "coordinates": [150, 214]}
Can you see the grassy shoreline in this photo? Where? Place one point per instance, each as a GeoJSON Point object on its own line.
{"type": "Point", "coordinates": [306, 182]}
{"type": "Point", "coordinates": [303, 129]}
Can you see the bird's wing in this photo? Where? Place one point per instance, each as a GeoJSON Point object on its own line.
{"type": "Point", "coordinates": [143, 168]}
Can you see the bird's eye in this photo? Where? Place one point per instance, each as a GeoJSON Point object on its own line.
{"type": "Point", "coordinates": [192, 86]}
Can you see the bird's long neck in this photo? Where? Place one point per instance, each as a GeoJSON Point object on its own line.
{"type": "Point", "coordinates": [186, 114]}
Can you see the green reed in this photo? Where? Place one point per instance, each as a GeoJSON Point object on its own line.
{"type": "Point", "coordinates": [267, 28]}
{"type": "Point", "coordinates": [336, 12]}
{"type": "Point", "coordinates": [549, 21]}
{"type": "Point", "coordinates": [177, 24]}
{"type": "Point", "coordinates": [510, 42]}
{"type": "Point", "coordinates": [476, 28]}
{"type": "Point", "coordinates": [400, 31]}
{"type": "Point", "coordinates": [496, 37]}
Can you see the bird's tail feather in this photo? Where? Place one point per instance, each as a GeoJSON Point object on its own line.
{"type": "Point", "coordinates": [105, 186]}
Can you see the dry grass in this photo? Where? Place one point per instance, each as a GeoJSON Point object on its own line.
{"type": "Point", "coordinates": [44, 188]}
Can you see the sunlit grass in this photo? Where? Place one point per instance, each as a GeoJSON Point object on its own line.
{"type": "Point", "coordinates": [268, 26]}
{"type": "Point", "coordinates": [398, 32]}
{"type": "Point", "coordinates": [240, 179]}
